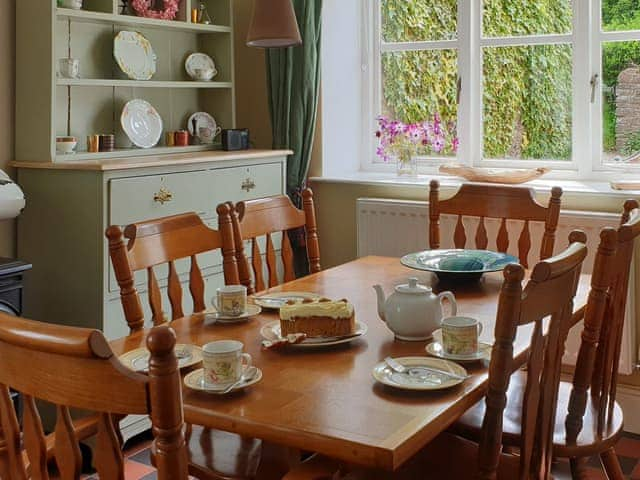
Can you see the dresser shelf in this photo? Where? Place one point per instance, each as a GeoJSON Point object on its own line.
{"type": "Point", "coordinates": [117, 19]}
{"type": "Point", "coordinates": [136, 152]}
{"type": "Point", "coordinates": [106, 82]}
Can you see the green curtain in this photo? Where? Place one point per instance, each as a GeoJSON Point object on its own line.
{"type": "Point", "coordinates": [293, 80]}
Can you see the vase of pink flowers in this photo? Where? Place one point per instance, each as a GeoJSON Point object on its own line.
{"type": "Point", "coordinates": [402, 143]}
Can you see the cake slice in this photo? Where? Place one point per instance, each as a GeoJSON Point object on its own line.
{"type": "Point", "coordinates": [318, 318]}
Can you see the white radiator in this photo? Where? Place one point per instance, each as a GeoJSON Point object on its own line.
{"type": "Point", "coordinates": [396, 227]}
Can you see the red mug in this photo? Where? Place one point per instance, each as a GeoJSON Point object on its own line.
{"type": "Point", "coordinates": [181, 138]}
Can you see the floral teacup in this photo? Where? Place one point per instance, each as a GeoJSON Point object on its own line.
{"type": "Point", "coordinates": [224, 362]}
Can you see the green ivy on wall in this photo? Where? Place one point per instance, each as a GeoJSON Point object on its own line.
{"type": "Point", "coordinates": [527, 90]}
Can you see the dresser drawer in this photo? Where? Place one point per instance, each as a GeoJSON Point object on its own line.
{"type": "Point", "coordinates": [246, 183]}
{"type": "Point", "coordinates": [152, 196]}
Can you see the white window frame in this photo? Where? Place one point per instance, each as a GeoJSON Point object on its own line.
{"type": "Point", "coordinates": [586, 40]}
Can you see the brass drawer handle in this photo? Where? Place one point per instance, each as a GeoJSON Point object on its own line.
{"type": "Point", "coordinates": [163, 196]}
{"type": "Point", "coordinates": [248, 185]}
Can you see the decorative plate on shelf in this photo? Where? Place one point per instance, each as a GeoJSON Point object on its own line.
{"type": "Point", "coordinates": [142, 123]}
{"type": "Point", "coordinates": [458, 264]}
{"type": "Point", "coordinates": [134, 55]}
{"type": "Point", "coordinates": [199, 63]}
{"type": "Point", "coordinates": [203, 120]}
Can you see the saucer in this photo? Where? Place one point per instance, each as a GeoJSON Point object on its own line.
{"type": "Point", "coordinates": [271, 331]}
{"type": "Point", "coordinates": [436, 349]}
{"type": "Point", "coordinates": [138, 359]}
{"type": "Point", "coordinates": [278, 299]}
{"type": "Point", "coordinates": [195, 381]}
{"type": "Point", "coordinates": [383, 374]}
{"type": "Point", "coordinates": [251, 311]}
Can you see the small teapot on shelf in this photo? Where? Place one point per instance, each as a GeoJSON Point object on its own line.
{"type": "Point", "coordinates": [413, 311]}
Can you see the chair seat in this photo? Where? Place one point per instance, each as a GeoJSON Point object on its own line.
{"type": "Point", "coordinates": [588, 442]}
{"type": "Point", "coordinates": [219, 455]}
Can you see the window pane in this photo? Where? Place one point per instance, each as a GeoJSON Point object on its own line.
{"type": "Point", "coordinates": [418, 20]}
{"type": "Point", "coordinates": [505, 18]}
{"type": "Point", "coordinates": [417, 85]}
{"type": "Point", "coordinates": [620, 15]}
{"type": "Point", "coordinates": [527, 102]}
{"type": "Point", "coordinates": [621, 101]}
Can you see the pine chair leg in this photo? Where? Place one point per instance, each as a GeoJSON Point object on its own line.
{"type": "Point", "coordinates": [578, 468]}
{"type": "Point", "coordinates": [612, 465]}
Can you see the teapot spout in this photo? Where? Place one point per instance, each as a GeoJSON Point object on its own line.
{"type": "Point", "coordinates": [381, 301]}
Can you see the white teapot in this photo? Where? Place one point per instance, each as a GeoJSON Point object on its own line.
{"type": "Point", "coordinates": [413, 311]}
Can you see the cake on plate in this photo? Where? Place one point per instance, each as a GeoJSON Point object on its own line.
{"type": "Point", "coordinates": [318, 318]}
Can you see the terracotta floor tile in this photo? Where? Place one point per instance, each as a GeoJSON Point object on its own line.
{"type": "Point", "coordinates": [628, 447]}
{"type": "Point", "coordinates": [135, 470]}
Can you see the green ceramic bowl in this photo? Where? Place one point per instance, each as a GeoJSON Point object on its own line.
{"type": "Point", "coordinates": [458, 264]}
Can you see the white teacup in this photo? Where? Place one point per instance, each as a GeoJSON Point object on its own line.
{"type": "Point", "coordinates": [74, 4]}
{"type": "Point", "coordinates": [204, 74]}
{"type": "Point", "coordinates": [224, 362]}
{"type": "Point", "coordinates": [69, 67]}
{"type": "Point", "coordinates": [231, 300]}
{"type": "Point", "coordinates": [460, 335]}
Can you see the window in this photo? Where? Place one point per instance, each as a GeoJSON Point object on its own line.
{"type": "Point", "coordinates": [524, 82]}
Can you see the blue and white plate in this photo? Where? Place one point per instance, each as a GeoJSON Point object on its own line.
{"type": "Point", "coordinates": [458, 264]}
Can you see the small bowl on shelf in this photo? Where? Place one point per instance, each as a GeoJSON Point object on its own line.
{"type": "Point", "coordinates": [73, 4]}
{"type": "Point", "coordinates": [66, 145]}
{"type": "Point", "coordinates": [204, 74]}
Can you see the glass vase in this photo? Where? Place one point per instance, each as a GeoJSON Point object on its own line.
{"type": "Point", "coordinates": [406, 164]}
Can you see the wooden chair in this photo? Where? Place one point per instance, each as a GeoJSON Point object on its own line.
{"type": "Point", "coordinates": [549, 294]}
{"type": "Point", "coordinates": [499, 202]}
{"type": "Point", "coordinates": [588, 420]}
{"type": "Point", "coordinates": [62, 365]}
{"type": "Point", "coordinates": [266, 216]}
{"type": "Point", "coordinates": [166, 240]}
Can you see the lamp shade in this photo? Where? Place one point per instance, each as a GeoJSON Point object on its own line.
{"type": "Point", "coordinates": [273, 25]}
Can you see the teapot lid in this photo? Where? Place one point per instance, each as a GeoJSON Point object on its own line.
{"type": "Point", "coordinates": [413, 287]}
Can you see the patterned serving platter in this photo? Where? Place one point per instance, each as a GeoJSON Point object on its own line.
{"type": "Point", "coordinates": [134, 55]}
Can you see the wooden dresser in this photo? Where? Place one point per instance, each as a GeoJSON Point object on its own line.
{"type": "Point", "coordinates": [69, 206]}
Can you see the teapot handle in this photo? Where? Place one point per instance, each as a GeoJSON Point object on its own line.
{"type": "Point", "coordinates": [452, 300]}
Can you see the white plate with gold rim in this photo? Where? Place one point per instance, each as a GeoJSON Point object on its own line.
{"type": "Point", "coordinates": [134, 55]}
{"type": "Point", "coordinates": [142, 123]}
{"type": "Point", "coordinates": [138, 359]}
{"type": "Point", "coordinates": [436, 349]}
{"type": "Point", "coordinates": [195, 381]}
{"type": "Point", "coordinates": [277, 299]}
{"type": "Point", "coordinates": [251, 311]}
{"type": "Point", "coordinates": [385, 375]}
{"type": "Point", "coordinates": [271, 331]}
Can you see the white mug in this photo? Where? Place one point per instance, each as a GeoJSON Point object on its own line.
{"type": "Point", "coordinates": [460, 335]}
{"type": "Point", "coordinates": [231, 300]}
{"type": "Point", "coordinates": [69, 67]}
{"type": "Point", "coordinates": [224, 362]}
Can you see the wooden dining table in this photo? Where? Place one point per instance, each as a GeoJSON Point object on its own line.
{"type": "Point", "coordinates": [325, 399]}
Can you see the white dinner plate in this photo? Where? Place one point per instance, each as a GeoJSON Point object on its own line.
{"type": "Point", "coordinates": [138, 359]}
{"type": "Point", "coordinates": [271, 331]}
{"type": "Point", "coordinates": [134, 55]}
{"type": "Point", "coordinates": [385, 375]}
{"type": "Point", "coordinates": [195, 381]}
{"type": "Point", "coordinates": [251, 311]}
{"type": "Point", "coordinates": [278, 299]}
{"type": "Point", "coordinates": [142, 123]}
